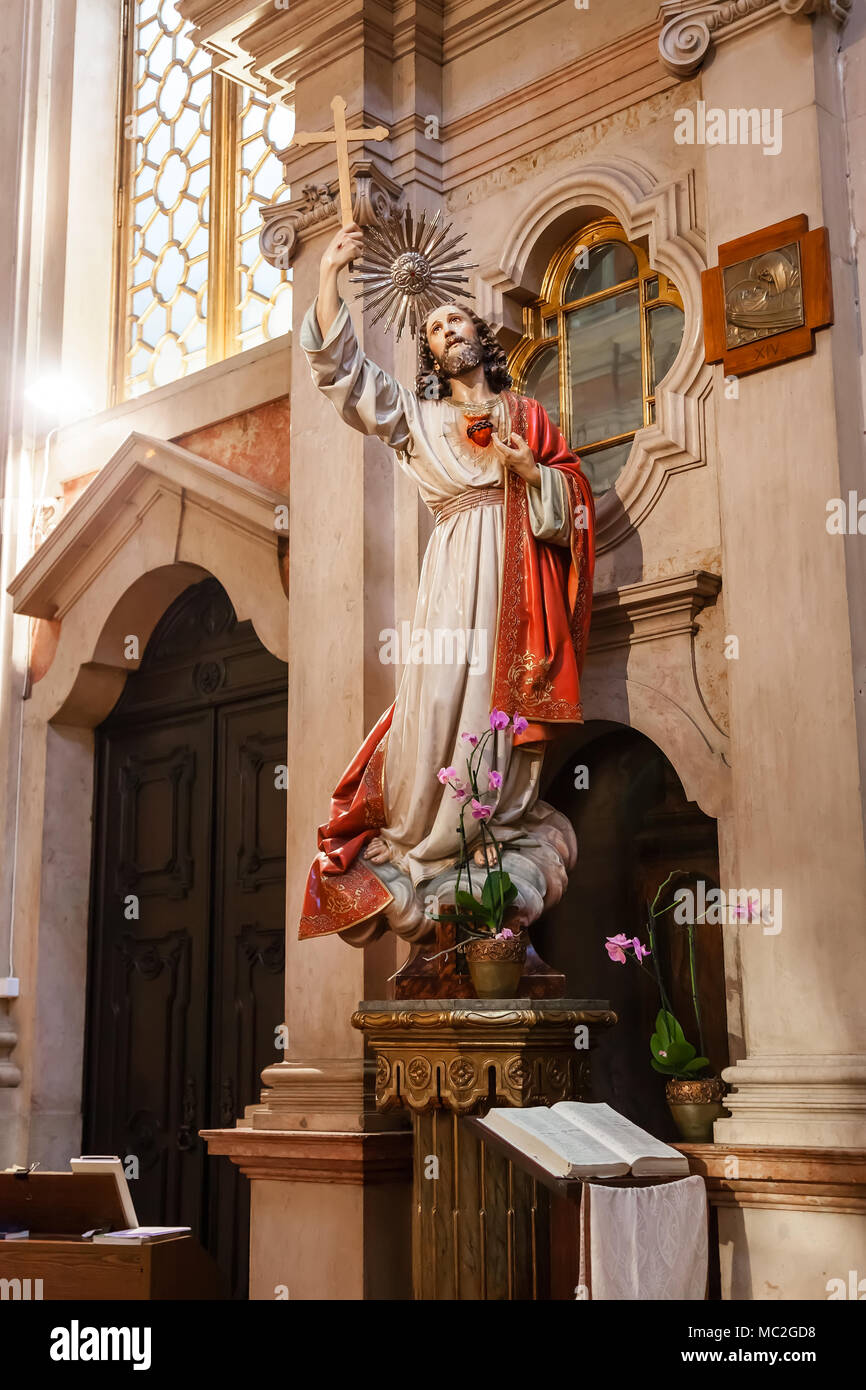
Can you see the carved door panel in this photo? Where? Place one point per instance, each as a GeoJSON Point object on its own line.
{"type": "Point", "coordinates": [149, 961]}
{"type": "Point", "coordinates": [188, 916]}
{"type": "Point", "coordinates": [249, 938]}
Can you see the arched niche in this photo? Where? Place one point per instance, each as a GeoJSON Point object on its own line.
{"type": "Point", "coordinates": [635, 824]}
{"type": "Point", "coordinates": [661, 214]}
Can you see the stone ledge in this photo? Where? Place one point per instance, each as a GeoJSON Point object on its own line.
{"type": "Point", "coordinates": [786, 1178]}
{"type": "Point", "coordinates": [346, 1158]}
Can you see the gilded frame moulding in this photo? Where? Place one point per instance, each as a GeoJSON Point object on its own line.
{"type": "Point", "coordinates": [664, 214]}
{"type": "Point", "coordinates": [459, 1059]}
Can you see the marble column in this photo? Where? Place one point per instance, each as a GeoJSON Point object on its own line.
{"type": "Point", "coordinates": [789, 442]}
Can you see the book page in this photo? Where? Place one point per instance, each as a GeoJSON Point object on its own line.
{"type": "Point", "coordinates": [643, 1152]}
{"type": "Point", "coordinates": [108, 1163]}
{"type": "Point", "coordinates": [561, 1148]}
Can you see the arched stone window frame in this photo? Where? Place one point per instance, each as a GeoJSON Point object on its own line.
{"type": "Point", "coordinates": [650, 289]}
{"type": "Point", "coordinates": [662, 214]}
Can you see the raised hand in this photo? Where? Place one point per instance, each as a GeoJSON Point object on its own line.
{"type": "Point", "coordinates": [344, 246]}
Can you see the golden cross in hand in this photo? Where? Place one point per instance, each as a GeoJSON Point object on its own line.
{"type": "Point", "coordinates": [341, 137]}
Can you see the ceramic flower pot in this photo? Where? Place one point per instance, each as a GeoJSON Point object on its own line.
{"type": "Point", "coordinates": [695, 1106]}
{"type": "Point", "coordinates": [495, 967]}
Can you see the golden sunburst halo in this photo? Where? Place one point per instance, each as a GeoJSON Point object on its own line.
{"type": "Point", "coordinates": [408, 268]}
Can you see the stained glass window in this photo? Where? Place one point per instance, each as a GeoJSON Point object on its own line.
{"type": "Point", "coordinates": [200, 163]}
{"type": "Point", "coordinates": [602, 334]}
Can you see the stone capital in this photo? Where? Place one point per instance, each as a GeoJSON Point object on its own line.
{"type": "Point", "coordinates": [690, 30]}
{"type": "Point", "coordinates": [286, 225]}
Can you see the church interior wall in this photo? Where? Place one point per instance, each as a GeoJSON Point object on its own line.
{"type": "Point", "coordinates": [768, 462]}
{"type": "Point", "coordinates": [525, 43]}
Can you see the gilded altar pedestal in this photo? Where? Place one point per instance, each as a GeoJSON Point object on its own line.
{"type": "Point", "coordinates": [480, 1225]}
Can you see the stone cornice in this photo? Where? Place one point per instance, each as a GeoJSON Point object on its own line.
{"type": "Point", "coordinates": [657, 608]}
{"type": "Point", "coordinates": [254, 41]}
{"type": "Point", "coordinates": [532, 116]}
{"type": "Point", "coordinates": [690, 30]}
{"type": "Point", "coordinates": [275, 48]}
{"type": "Point", "coordinates": [351, 1159]}
{"type": "Point", "coordinates": [69, 558]}
{"type": "Point", "coordinates": [783, 1178]}
{"type": "Point", "coordinates": [469, 25]}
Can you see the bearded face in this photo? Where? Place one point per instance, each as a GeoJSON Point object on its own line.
{"type": "Point", "coordinates": [453, 340]}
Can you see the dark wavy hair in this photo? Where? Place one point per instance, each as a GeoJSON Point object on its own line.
{"type": "Point", "coordinates": [432, 382]}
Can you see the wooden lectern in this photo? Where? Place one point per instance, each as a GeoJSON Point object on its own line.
{"type": "Point", "coordinates": [480, 1222]}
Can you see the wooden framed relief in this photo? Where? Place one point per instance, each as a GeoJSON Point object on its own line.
{"type": "Point", "coordinates": [767, 296]}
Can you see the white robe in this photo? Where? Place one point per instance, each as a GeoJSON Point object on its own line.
{"type": "Point", "coordinates": [456, 615]}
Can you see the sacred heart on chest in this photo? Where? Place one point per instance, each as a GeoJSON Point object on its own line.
{"type": "Point", "coordinates": [479, 429]}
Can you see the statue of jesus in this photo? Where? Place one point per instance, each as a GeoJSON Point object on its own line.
{"type": "Point", "coordinates": [510, 562]}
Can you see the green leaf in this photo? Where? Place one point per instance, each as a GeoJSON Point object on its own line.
{"type": "Point", "coordinates": [660, 1067]}
{"type": "Point", "coordinates": [497, 883]}
{"type": "Point", "coordinates": [473, 908]}
{"type": "Point", "coordinates": [466, 901]}
{"type": "Point", "coordinates": [677, 1054]}
{"type": "Point", "coordinates": [696, 1064]}
{"type": "Point", "coordinates": [663, 1030]}
{"type": "Point", "coordinates": [677, 1033]}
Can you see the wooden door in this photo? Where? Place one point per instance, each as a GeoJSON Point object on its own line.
{"type": "Point", "coordinates": [188, 915]}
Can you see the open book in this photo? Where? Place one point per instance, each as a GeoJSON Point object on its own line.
{"type": "Point", "coordinates": [575, 1139]}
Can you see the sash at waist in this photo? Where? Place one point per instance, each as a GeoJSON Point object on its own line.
{"type": "Point", "coordinates": [465, 501]}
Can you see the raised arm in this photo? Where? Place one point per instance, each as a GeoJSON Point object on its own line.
{"type": "Point", "coordinates": [365, 396]}
{"type": "Point", "coordinates": [343, 248]}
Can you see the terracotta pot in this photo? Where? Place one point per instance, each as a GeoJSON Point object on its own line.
{"type": "Point", "coordinates": [695, 1106]}
{"type": "Point", "coordinates": [495, 967]}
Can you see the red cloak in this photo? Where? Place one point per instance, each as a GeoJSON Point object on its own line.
{"type": "Point", "coordinates": [545, 605]}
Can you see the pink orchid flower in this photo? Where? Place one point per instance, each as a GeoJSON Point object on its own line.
{"type": "Point", "coordinates": [494, 780]}
{"type": "Point", "coordinates": [460, 792]}
{"type": "Point", "coordinates": [469, 738]}
{"type": "Point", "coordinates": [662, 1054]}
{"type": "Point", "coordinates": [639, 950]}
{"type": "Point", "coordinates": [520, 723]}
{"type": "Point", "coordinates": [614, 945]}
{"type": "Point", "coordinates": [499, 719]}
{"type": "Point", "coordinates": [744, 911]}
{"type": "Point", "coordinates": [505, 935]}
{"type": "Point", "coordinates": [479, 811]}
{"type": "Point", "coordinates": [446, 773]}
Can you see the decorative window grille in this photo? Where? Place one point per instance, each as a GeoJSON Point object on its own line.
{"type": "Point", "coordinates": [198, 163]}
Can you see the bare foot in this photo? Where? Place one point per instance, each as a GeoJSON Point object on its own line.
{"type": "Point", "coordinates": [489, 858]}
{"type": "Point", "coordinates": [378, 851]}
